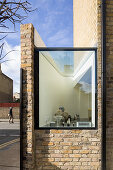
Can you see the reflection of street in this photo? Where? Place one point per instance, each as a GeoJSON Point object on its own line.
{"type": "Point", "coordinates": [9, 145]}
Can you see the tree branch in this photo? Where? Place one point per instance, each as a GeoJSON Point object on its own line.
{"type": "Point", "coordinates": [13, 11]}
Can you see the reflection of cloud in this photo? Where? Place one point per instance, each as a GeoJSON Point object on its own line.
{"type": "Point", "coordinates": [85, 87]}
{"type": "Point", "coordinates": [62, 58]}
{"type": "Point", "coordinates": [12, 67]}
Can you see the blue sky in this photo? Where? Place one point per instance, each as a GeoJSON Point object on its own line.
{"type": "Point", "coordinates": [53, 20]}
{"type": "Point", "coordinates": [63, 58]}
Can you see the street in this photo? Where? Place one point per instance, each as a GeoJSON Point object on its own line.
{"type": "Point", "coordinates": [9, 145]}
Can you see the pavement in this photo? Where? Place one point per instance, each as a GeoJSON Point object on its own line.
{"type": "Point", "coordinates": [9, 145]}
{"type": "Point", "coordinates": [4, 124]}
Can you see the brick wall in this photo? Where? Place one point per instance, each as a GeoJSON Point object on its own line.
{"type": "Point", "coordinates": [5, 110]}
{"type": "Point", "coordinates": [27, 53]}
{"type": "Point", "coordinates": [109, 84]}
{"type": "Point", "coordinates": [68, 149]}
{"type": "Point", "coordinates": [6, 88]}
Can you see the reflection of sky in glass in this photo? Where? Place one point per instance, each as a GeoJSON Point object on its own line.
{"type": "Point", "coordinates": [68, 62]}
{"type": "Point", "coordinates": [86, 81]}
{"type": "Point", "coordinates": [62, 58]}
{"type": "Point", "coordinates": [87, 77]}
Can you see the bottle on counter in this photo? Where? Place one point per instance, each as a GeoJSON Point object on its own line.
{"type": "Point", "coordinates": [68, 121]}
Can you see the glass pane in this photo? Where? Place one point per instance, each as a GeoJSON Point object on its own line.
{"type": "Point", "coordinates": [66, 89]}
{"type": "Point", "coordinates": [83, 89]}
{"type": "Point", "coordinates": [63, 61]}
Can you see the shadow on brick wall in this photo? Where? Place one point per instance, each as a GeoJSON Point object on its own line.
{"type": "Point", "coordinates": [27, 155]}
{"type": "Point", "coordinates": [46, 158]}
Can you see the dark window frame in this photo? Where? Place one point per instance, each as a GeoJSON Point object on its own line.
{"type": "Point", "coordinates": [36, 87]}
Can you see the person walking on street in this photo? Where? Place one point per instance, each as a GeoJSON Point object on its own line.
{"type": "Point", "coordinates": [11, 115]}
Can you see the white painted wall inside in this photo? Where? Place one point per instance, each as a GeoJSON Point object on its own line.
{"type": "Point", "coordinates": [56, 90]}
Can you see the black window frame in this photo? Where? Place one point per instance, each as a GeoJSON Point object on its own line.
{"type": "Point", "coordinates": [36, 87]}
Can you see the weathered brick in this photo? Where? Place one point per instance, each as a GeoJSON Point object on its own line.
{"type": "Point", "coordinates": [47, 143]}
{"type": "Point", "coordinates": [74, 155]}
{"type": "Point", "coordinates": [66, 159]}
{"type": "Point", "coordinates": [27, 62]}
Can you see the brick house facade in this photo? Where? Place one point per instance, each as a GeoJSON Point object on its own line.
{"type": "Point", "coordinates": [69, 149]}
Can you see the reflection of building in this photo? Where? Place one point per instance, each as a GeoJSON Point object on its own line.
{"type": "Point", "coordinates": [16, 96]}
{"type": "Point", "coordinates": [6, 88]}
{"type": "Point", "coordinates": [68, 69]}
{"type": "Point", "coordinates": [68, 62]}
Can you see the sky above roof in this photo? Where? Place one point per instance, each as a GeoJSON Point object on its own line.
{"type": "Point", "coordinates": [53, 19]}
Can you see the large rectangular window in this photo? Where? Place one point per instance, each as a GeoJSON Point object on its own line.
{"type": "Point", "coordinates": [67, 88]}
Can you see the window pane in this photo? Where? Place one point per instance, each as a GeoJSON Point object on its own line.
{"type": "Point", "coordinates": [83, 89]}
{"type": "Point", "coordinates": [66, 89]}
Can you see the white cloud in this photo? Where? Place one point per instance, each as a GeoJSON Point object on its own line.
{"type": "Point", "coordinates": [58, 36]}
{"type": "Point", "coordinates": [61, 37]}
{"type": "Point", "coordinates": [85, 87]}
{"type": "Point", "coordinates": [12, 67]}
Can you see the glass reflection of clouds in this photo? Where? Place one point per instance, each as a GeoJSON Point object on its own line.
{"type": "Point", "coordinates": [63, 59]}
{"type": "Point", "coordinates": [86, 82]}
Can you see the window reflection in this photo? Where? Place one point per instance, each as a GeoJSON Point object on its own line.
{"type": "Point", "coordinates": [84, 90]}
{"type": "Point", "coordinates": [66, 89]}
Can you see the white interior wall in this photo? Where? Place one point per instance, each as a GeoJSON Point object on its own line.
{"type": "Point", "coordinates": [84, 105]}
{"type": "Point", "coordinates": [80, 99]}
{"type": "Point", "coordinates": [55, 90]}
